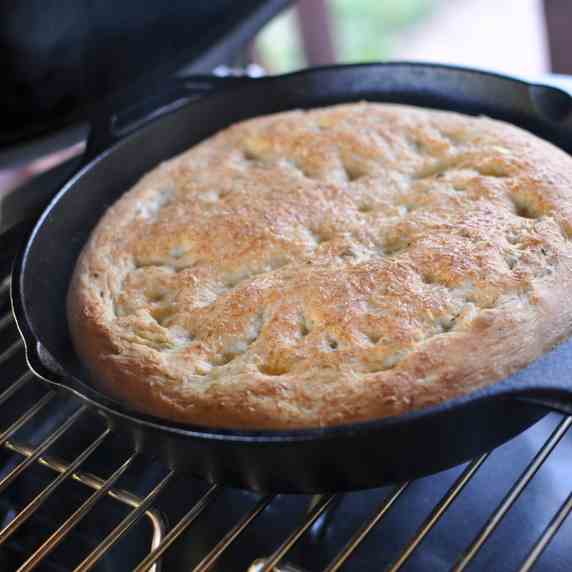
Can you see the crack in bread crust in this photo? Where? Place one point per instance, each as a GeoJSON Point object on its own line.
{"type": "Point", "coordinates": [319, 267]}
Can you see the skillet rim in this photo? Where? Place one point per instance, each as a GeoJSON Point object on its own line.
{"type": "Point", "coordinates": [112, 407]}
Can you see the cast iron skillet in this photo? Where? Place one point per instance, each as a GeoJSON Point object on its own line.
{"type": "Point", "coordinates": [327, 459]}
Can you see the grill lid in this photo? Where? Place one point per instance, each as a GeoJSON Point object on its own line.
{"type": "Point", "coordinates": [61, 57]}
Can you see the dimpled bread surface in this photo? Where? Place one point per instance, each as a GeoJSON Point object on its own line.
{"type": "Point", "coordinates": [314, 268]}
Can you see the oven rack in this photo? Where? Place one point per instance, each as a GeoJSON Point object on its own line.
{"type": "Point", "coordinates": [321, 509]}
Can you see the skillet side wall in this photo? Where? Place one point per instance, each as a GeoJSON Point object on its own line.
{"type": "Point", "coordinates": [344, 461]}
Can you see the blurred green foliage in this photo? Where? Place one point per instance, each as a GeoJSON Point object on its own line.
{"type": "Point", "coordinates": [364, 30]}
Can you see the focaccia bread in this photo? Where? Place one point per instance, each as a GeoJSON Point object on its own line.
{"type": "Point", "coordinates": [314, 268]}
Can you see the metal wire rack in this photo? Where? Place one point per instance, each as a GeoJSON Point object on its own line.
{"type": "Point", "coordinates": [28, 409]}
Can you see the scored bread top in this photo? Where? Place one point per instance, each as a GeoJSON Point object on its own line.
{"type": "Point", "coordinates": [313, 268]}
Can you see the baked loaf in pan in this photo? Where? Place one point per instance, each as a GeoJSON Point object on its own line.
{"type": "Point", "coordinates": [314, 268]}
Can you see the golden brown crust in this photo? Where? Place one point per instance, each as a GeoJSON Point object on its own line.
{"type": "Point", "coordinates": [322, 267]}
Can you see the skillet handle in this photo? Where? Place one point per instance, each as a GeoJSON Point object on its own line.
{"type": "Point", "coordinates": [546, 382]}
{"type": "Point", "coordinates": [108, 126]}
{"type": "Point", "coordinates": [39, 360]}
{"type": "Point", "coordinates": [555, 400]}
